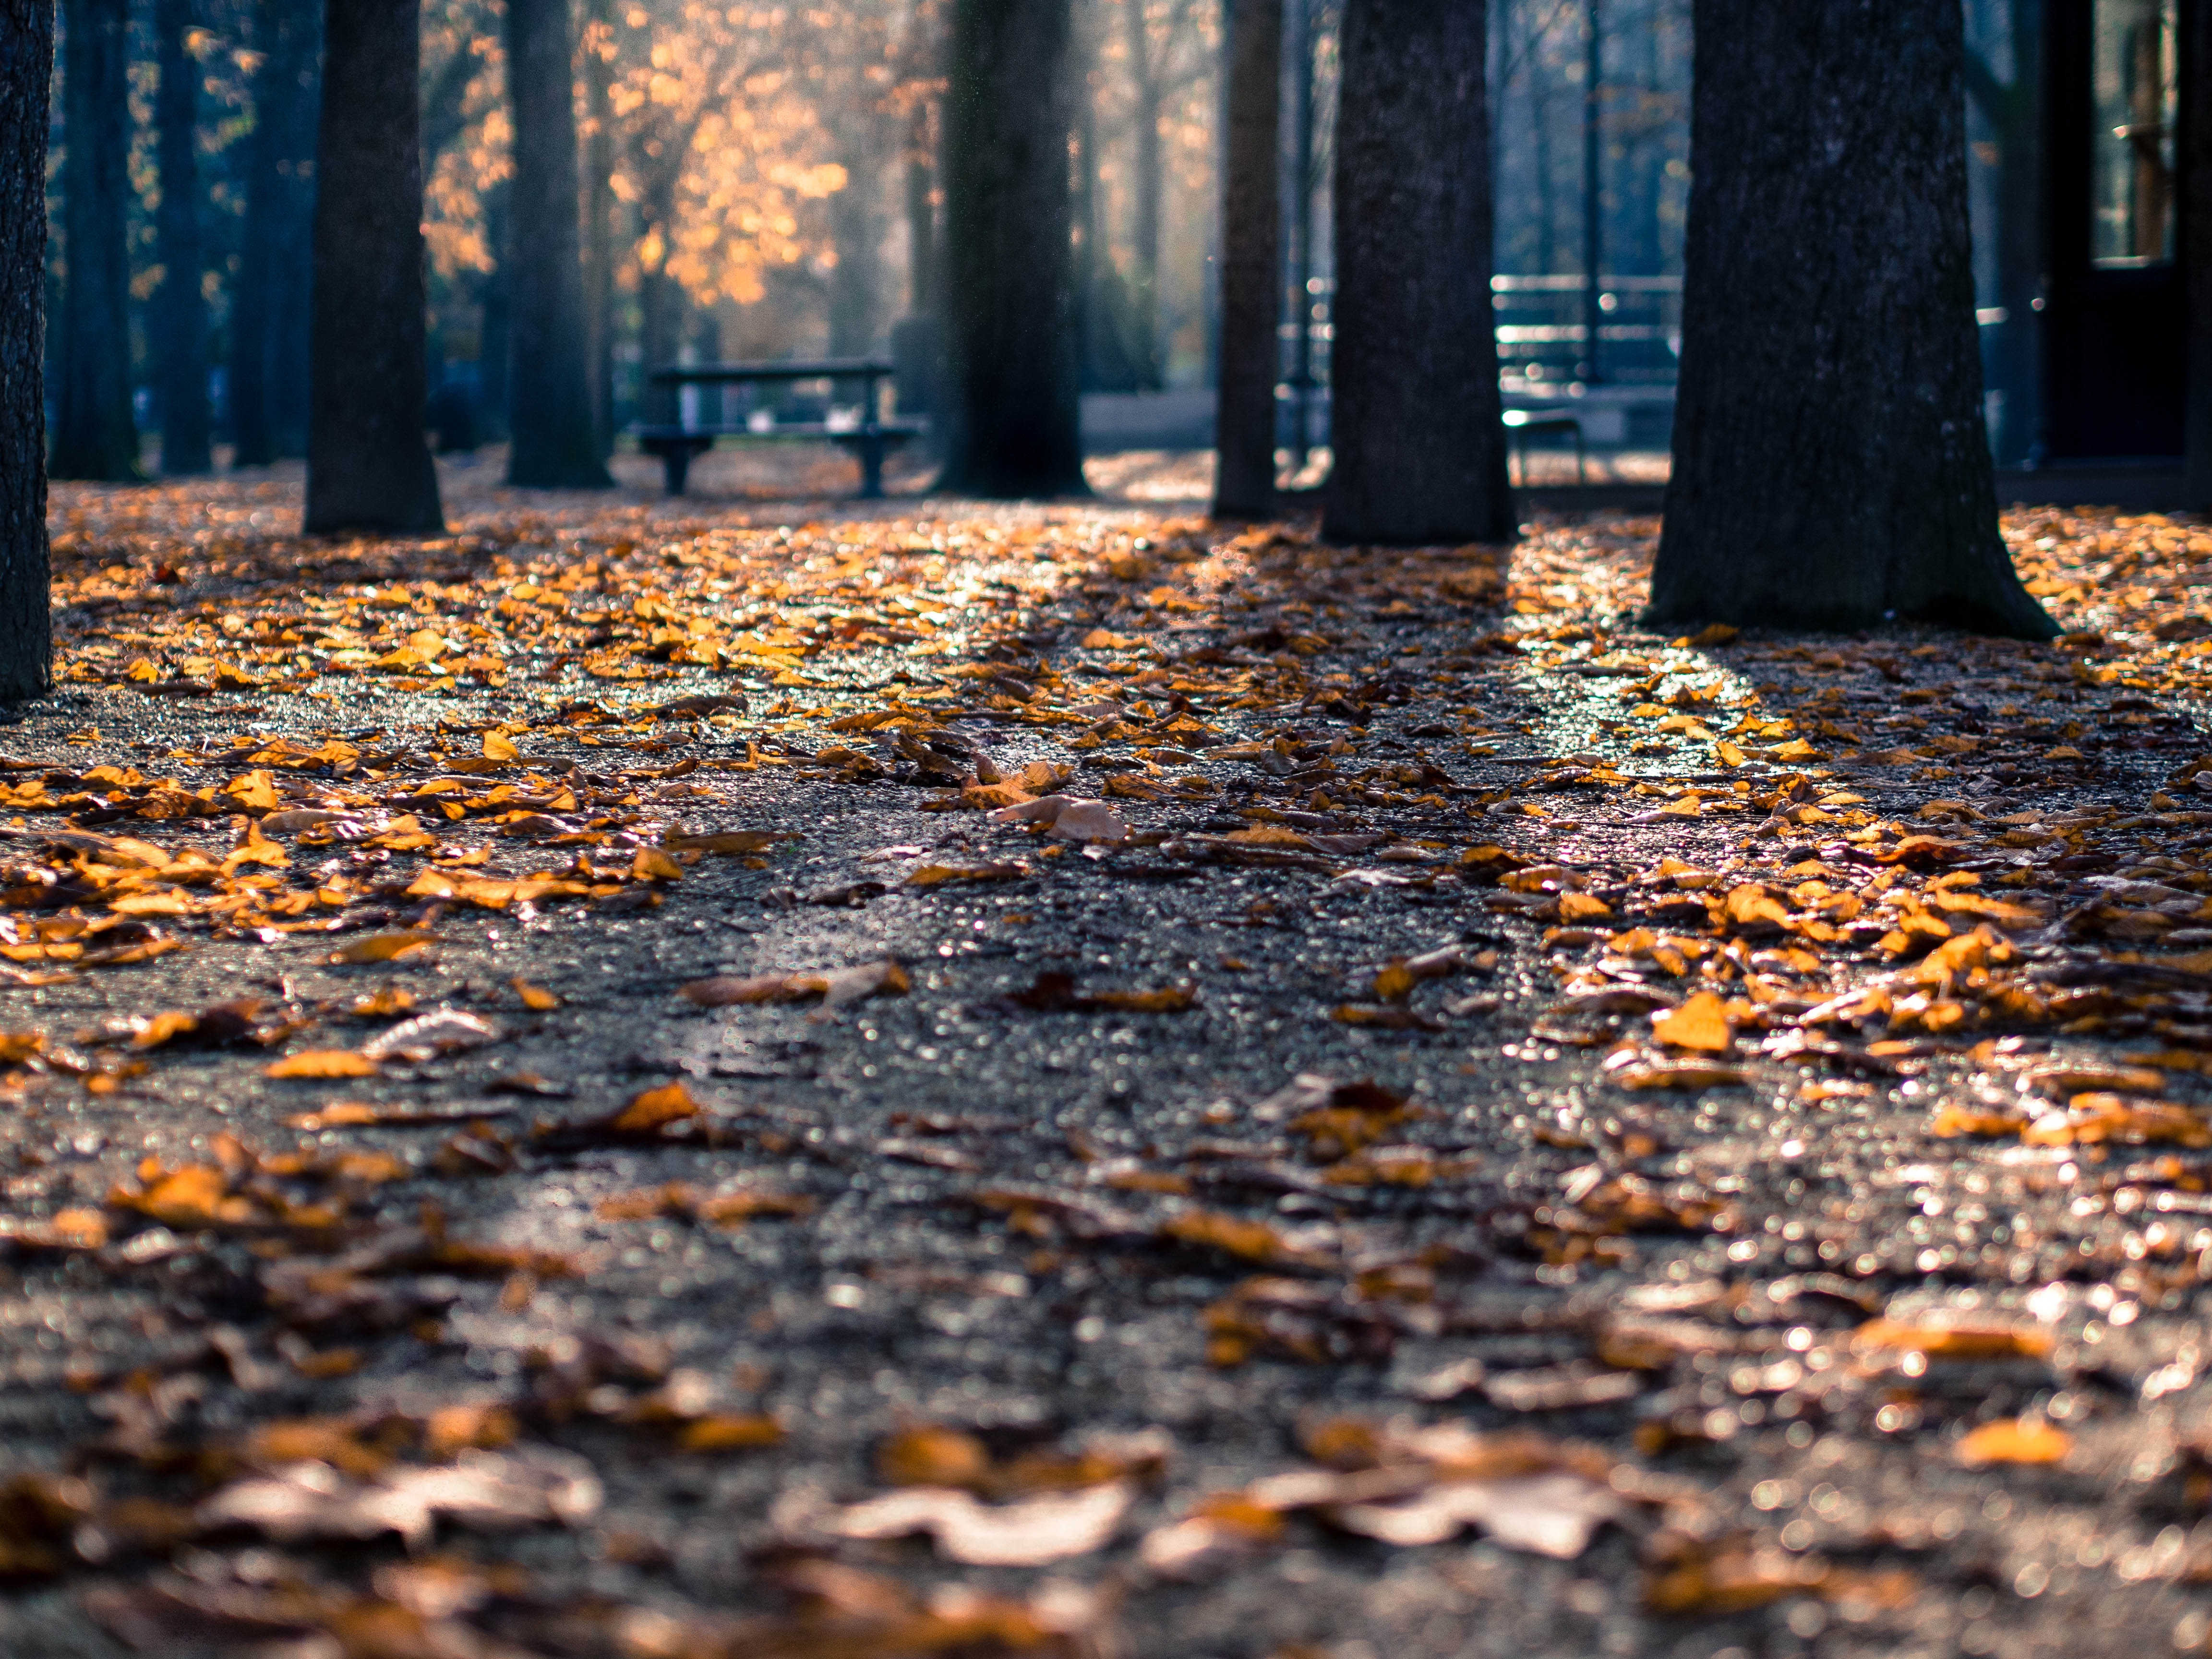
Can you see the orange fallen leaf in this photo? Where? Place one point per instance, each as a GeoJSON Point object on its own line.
{"type": "Point", "coordinates": [323, 1065]}
{"type": "Point", "coordinates": [1701, 1024]}
{"type": "Point", "coordinates": [2020, 1440]}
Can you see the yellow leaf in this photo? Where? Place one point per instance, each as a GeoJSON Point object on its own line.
{"type": "Point", "coordinates": [666, 1104]}
{"type": "Point", "coordinates": [255, 791]}
{"type": "Point", "coordinates": [2022, 1440]}
{"type": "Point", "coordinates": [1727, 753]}
{"type": "Point", "coordinates": [322, 1064]}
{"type": "Point", "coordinates": [651, 864]}
{"type": "Point", "coordinates": [1699, 1024]}
{"type": "Point", "coordinates": [535, 998]}
{"type": "Point", "coordinates": [730, 1433]}
{"type": "Point", "coordinates": [734, 841]}
{"type": "Point", "coordinates": [1583, 907]}
{"type": "Point", "coordinates": [381, 947]}
{"type": "Point", "coordinates": [499, 748]}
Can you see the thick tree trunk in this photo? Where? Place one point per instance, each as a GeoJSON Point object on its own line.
{"type": "Point", "coordinates": [178, 313]}
{"type": "Point", "coordinates": [2197, 248]}
{"type": "Point", "coordinates": [554, 445]}
{"type": "Point", "coordinates": [1420, 452]}
{"type": "Point", "coordinates": [1831, 468]}
{"type": "Point", "coordinates": [1009, 291]}
{"type": "Point", "coordinates": [95, 436]}
{"type": "Point", "coordinates": [1251, 265]}
{"type": "Point", "coordinates": [27, 67]}
{"type": "Point", "coordinates": [598, 230]}
{"type": "Point", "coordinates": [1147, 186]}
{"type": "Point", "coordinates": [367, 466]}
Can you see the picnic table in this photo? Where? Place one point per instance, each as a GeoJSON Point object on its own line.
{"type": "Point", "coordinates": [868, 439]}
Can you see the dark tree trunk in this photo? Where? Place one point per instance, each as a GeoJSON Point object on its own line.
{"type": "Point", "coordinates": [247, 392]}
{"type": "Point", "coordinates": [1010, 289]}
{"type": "Point", "coordinates": [27, 67]}
{"type": "Point", "coordinates": [1420, 451]}
{"type": "Point", "coordinates": [1146, 187]}
{"type": "Point", "coordinates": [554, 445]}
{"type": "Point", "coordinates": [272, 299]}
{"type": "Point", "coordinates": [921, 221]}
{"type": "Point", "coordinates": [598, 229]}
{"type": "Point", "coordinates": [1251, 265]}
{"type": "Point", "coordinates": [291, 310]}
{"type": "Point", "coordinates": [178, 313]}
{"type": "Point", "coordinates": [1831, 468]}
{"type": "Point", "coordinates": [367, 466]}
{"type": "Point", "coordinates": [856, 230]}
{"type": "Point", "coordinates": [95, 436]}
{"type": "Point", "coordinates": [495, 329]}
{"type": "Point", "coordinates": [2197, 248]}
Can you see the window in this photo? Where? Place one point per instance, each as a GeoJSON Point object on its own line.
{"type": "Point", "coordinates": [2134, 93]}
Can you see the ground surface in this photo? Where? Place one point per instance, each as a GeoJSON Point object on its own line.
{"type": "Point", "coordinates": [1542, 1139]}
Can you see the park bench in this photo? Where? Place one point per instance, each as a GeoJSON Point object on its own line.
{"type": "Point", "coordinates": [868, 440]}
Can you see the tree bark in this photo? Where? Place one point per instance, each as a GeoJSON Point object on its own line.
{"type": "Point", "coordinates": [1831, 468]}
{"type": "Point", "coordinates": [367, 466]}
{"type": "Point", "coordinates": [1251, 265]}
{"type": "Point", "coordinates": [1420, 452]}
{"type": "Point", "coordinates": [1009, 299]}
{"type": "Point", "coordinates": [179, 314]}
{"type": "Point", "coordinates": [2196, 248]}
{"type": "Point", "coordinates": [554, 445]}
{"type": "Point", "coordinates": [27, 67]}
{"type": "Point", "coordinates": [96, 435]}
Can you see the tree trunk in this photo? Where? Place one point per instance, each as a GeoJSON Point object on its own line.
{"type": "Point", "coordinates": [554, 445]}
{"type": "Point", "coordinates": [1251, 265]}
{"type": "Point", "coordinates": [856, 231]}
{"type": "Point", "coordinates": [598, 230]}
{"type": "Point", "coordinates": [2195, 241]}
{"type": "Point", "coordinates": [95, 436]}
{"type": "Point", "coordinates": [246, 392]}
{"type": "Point", "coordinates": [367, 466]}
{"type": "Point", "coordinates": [291, 311]}
{"type": "Point", "coordinates": [1009, 299]}
{"type": "Point", "coordinates": [1420, 452]}
{"type": "Point", "coordinates": [178, 313]}
{"type": "Point", "coordinates": [920, 220]}
{"type": "Point", "coordinates": [27, 67]}
{"type": "Point", "coordinates": [1146, 187]}
{"type": "Point", "coordinates": [495, 326]}
{"type": "Point", "coordinates": [1831, 468]}
{"type": "Point", "coordinates": [270, 300]}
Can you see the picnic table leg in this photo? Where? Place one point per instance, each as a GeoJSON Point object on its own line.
{"type": "Point", "coordinates": [870, 450]}
{"type": "Point", "coordinates": [676, 467]}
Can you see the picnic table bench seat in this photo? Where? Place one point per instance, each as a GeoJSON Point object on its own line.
{"type": "Point", "coordinates": [869, 441]}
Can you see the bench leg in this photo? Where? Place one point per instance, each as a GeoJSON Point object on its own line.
{"type": "Point", "coordinates": [871, 454]}
{"type": "Point", "coordinates": [676, 468]}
